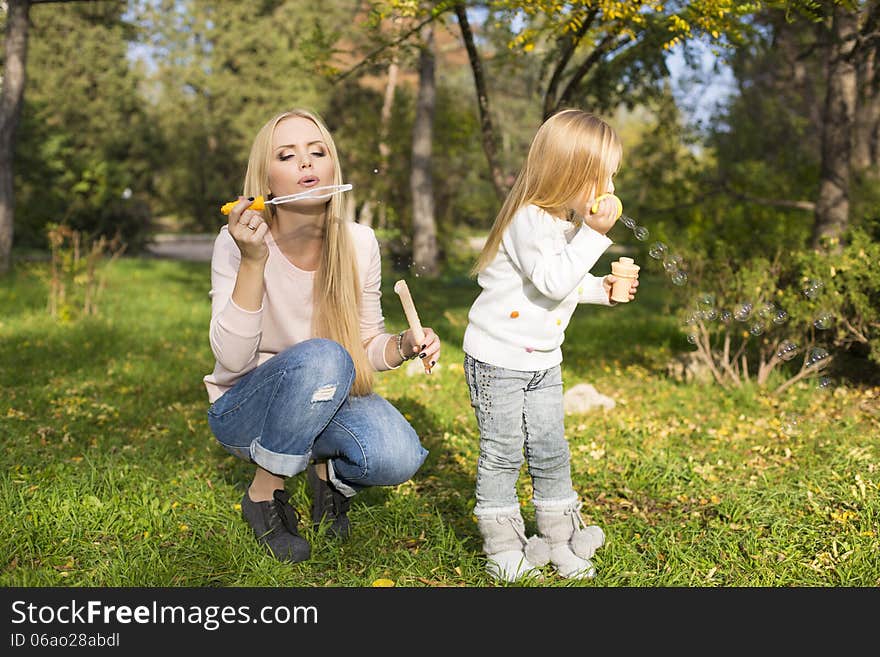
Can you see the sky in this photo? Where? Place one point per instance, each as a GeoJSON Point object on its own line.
{"type": "Point", "coordinates": [698, 100]}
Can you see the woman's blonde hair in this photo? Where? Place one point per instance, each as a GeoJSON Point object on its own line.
{"type": "Point", "coordinates": [337, 290]}
{"type": "Point", "coordinates": [571, 153]}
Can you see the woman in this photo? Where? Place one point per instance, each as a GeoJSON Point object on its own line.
{"type": "Point", "coordinates": [297, 331]}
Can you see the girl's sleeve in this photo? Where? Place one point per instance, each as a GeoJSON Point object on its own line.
{"type": "Point", "coordinates": [554, 274]}
{"type": "Point", "coordinates": [591, 290]}
{"type": "Point", "coordinates": [373, 332]}
{"type": "Point", "coordinates": [234, 332]}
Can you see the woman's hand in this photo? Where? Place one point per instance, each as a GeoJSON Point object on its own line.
{"type": "Point", "coordinates": [605, 216]}
{"type": "Point", "coordinates": [428, 350]}
{"type": "Point", "coordinates": [608, 283]}
{"type": "Point", "coordinates": [249, 231]}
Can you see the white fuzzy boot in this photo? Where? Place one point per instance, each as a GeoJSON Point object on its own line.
{"type": "Point", "coordinates": [569, 540]}
{"type": "Point", "coordinates": [504, 539]}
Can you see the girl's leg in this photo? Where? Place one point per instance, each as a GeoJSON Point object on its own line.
{"type": "Point", "coordinates": [569, 542]}
{"type": "Point", "coordinates": [547, 450]}
{"type": "Point", "coordinates": [497, 395]}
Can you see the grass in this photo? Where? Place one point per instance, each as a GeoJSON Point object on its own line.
{"type": "Point", "coordinates": [111, 476]}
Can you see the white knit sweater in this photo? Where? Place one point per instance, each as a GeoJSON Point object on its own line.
{"type": "Point", "coordinates": [530, 290]}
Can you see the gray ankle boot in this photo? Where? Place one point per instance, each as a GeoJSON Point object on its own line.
{"type": "Point", "coordinates": [504, 539]}
{"type": "Point", "coordinates": [568, 539]}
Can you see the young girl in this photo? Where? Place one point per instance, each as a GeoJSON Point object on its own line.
{"type": "Point", "coordinates": [534, 270]}
{"type": "Point", "coordinates": [297, 331]}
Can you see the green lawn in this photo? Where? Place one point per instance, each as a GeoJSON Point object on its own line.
{"type": "Point", "coordinates": [112, 478]}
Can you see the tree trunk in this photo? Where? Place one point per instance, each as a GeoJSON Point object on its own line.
{"type": "Point", "coordinates": [867, 127]}
{"type": "Point", "coordinates": [832, 206]}
{"type": "Point", "coordinates": [366, 215]}
{"type": "Point", "coordinates": [11, 98]}
{"type": "Point", "coordinates": [423, 224]}
{"type": "Point", "coordinates": [487, 128]}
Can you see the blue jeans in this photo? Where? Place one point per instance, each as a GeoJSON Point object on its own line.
{"type": "Point", "coordinates": [295, 407]}
{"type": "Point", "coordinates": [517, 410]}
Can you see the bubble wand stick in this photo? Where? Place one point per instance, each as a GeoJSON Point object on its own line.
{"type": "Point", "coordinates": [259, 203]}
{"type": "Point", "coordinates": [409, 309]}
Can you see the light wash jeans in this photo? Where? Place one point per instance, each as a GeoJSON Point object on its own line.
{"type": "Point", "coordinates": [295, 407]}
{"type": "Point", "coordinates": [515, 410]}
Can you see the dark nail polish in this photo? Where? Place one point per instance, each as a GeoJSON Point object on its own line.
{"type": "Point", "coordinates": [250, 198]}
{"type": "Point", "coordinates": [422, 355]}
{"type": "Point", "coordinates": [433, 362]}
{"type": "Point", "coordinates": [424, 345]}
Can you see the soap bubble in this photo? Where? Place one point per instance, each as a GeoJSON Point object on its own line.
{"type": "Point", "coordinates": [679, 278]}
{"type": "Point", "coordinates": [706, 300]}
{"type": "Point", "coordinates": [780, 317]}
{"type": "Point", "coordinates": [725, 316]}
{"type": "Point", "coordinates": [786, 350]}
{"type": "Point", "coordinates": [791, 424]}
{"type": "Point", "coordinates": [824, 320]}
{"type": "Point", "coordinates": [710, 315]}
{"type": "Point", "coordinates": [658, 250]}
{"type": "Point", "coordinates": [692, 338]}
{"type": "Point", "coordinates": [757, 328]}
{"type": "Point", "coordinates": [375, 170]}
{"type": "Point", "coordinates": [812, 288]}
{"type": "Point", "coordinates": [824, 382]}
{"type": "Point", "coordinates": [641, 233]}
{"type": "Point", "coordinates": [671, 262]}
{"type": "Point", "coordinates": [627, 221]}
{"type": "Point", "coordinates": [818, 357]}
{"type": "Point", "coordinates": [742, 311]}
{"type": "Point", "coordinates": [767, 310]}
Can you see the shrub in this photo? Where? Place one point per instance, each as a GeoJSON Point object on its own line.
{"type": "Point", "coordinates": [75, 283]}
{"type": "Point", "coordinates": [788, 315]}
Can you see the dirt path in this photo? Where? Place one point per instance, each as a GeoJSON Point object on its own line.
{"type": "Point", "coordinates": [195, 248]}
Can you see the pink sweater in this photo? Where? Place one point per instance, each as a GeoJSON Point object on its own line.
{"type": "Point", "coordinates": [241, 339]}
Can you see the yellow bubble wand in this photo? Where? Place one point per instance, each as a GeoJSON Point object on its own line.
{"type": "Point", "coordinates": [259, 202]}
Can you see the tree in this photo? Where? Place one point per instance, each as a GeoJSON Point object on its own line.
{"type": "Point", "coordinates": [487, 125]}
{"type": "Point", "coordinates": [424, 224]}
{"type": "Point", "coordinates": [838, 117]}
{"type": "Point", "coordinates": [11, 99]}
{"type": "Point", "coordinates": [14, 78]}
{"type": "Point", "coordinates": [808, 97]}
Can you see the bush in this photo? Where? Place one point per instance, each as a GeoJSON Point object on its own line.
{"type": "Point", "coordinates": [788, 315]}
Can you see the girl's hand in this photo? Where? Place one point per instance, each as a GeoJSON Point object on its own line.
{"type": "Point", "coordinates": [428, 350]}
{"type": "Point", "coordinates": [605, 216]}
{"type": "Point", "coordinates": [249, 231]}
{"type": "Point", "coordinates": [608, 283]}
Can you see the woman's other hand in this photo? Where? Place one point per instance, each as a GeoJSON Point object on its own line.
{"type": "Point", "coordinates": [428, 350]}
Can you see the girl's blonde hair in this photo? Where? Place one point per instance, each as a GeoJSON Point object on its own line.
{"type": "Point", "coordinates": [337, 290]}
{"type": "Point", "coordinates": [570, 154]}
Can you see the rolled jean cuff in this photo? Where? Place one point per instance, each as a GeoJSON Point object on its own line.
{"type": "Point", "coordinates": [282, 465]}
{"type": "Point", "coordinates": [556, 505]}
{"type": "Point", "coordinates": [488, 512]}
{"type": "Point", "coordinates": [338, 484]}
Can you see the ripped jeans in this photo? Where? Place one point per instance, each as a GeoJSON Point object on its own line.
{"type": "Point", "coordinates": [295, 407]}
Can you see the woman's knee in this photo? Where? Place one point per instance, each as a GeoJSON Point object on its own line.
{"type": "Point", "coordinates": [405, 460]}
{"type": "Point", "coordinates": [325, 360]}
